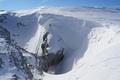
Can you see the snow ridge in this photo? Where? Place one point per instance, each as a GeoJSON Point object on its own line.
{"type": "Point", "coordinates": [91, 40]}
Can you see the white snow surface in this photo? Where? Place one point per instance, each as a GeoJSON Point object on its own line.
{"type": "Point", "coordinates": [90, 37]}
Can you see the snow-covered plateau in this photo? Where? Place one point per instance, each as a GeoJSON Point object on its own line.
{"type": "Point", "coordinates": [90, 38]}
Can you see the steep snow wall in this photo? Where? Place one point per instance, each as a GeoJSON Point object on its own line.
{"type": "Point", "coordinates": [64, 32]}
{"type": "Point", "coordinates": [100, 56]}
{"type": "Point", "coordinates": [68, 33]}
{"type": "Point", "coordinates": [91, 49]}
{"type": "Point", "coordinates": [100, 59]}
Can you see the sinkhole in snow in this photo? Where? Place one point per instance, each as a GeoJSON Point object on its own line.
{"type": "Point", "coordinates": [68, 33]}
{"type": "Point", "coordinates": [64, 32]}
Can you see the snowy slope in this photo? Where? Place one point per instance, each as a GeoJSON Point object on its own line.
{"type": "Point", "coordinates": [90, 37]}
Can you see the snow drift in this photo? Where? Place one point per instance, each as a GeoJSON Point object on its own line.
{"type": "Point", "coordinates": [69, 33]}
{"type": "Point", "coordinates": [91, 42]}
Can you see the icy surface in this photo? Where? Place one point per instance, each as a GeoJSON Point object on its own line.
{"type": "Point", "coordinates": [90, 37]}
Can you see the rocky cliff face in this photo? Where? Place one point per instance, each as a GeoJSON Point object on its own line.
{"type": "Point", "coordinates": [12, 59]}
{"type": "Point", "coordinates": [11, 56]}
{"type": "Point", "coordinates": [90, 38]}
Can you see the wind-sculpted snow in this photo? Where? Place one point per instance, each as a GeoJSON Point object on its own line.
{"type": "Point", "coordinates": [97, 57]}
{"type": "Point", "coordinates": [90, 38]}
{"type": "Point", "coordinates": [70, 33]}
{"type": "Point", "coordinates": [22, 28]}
